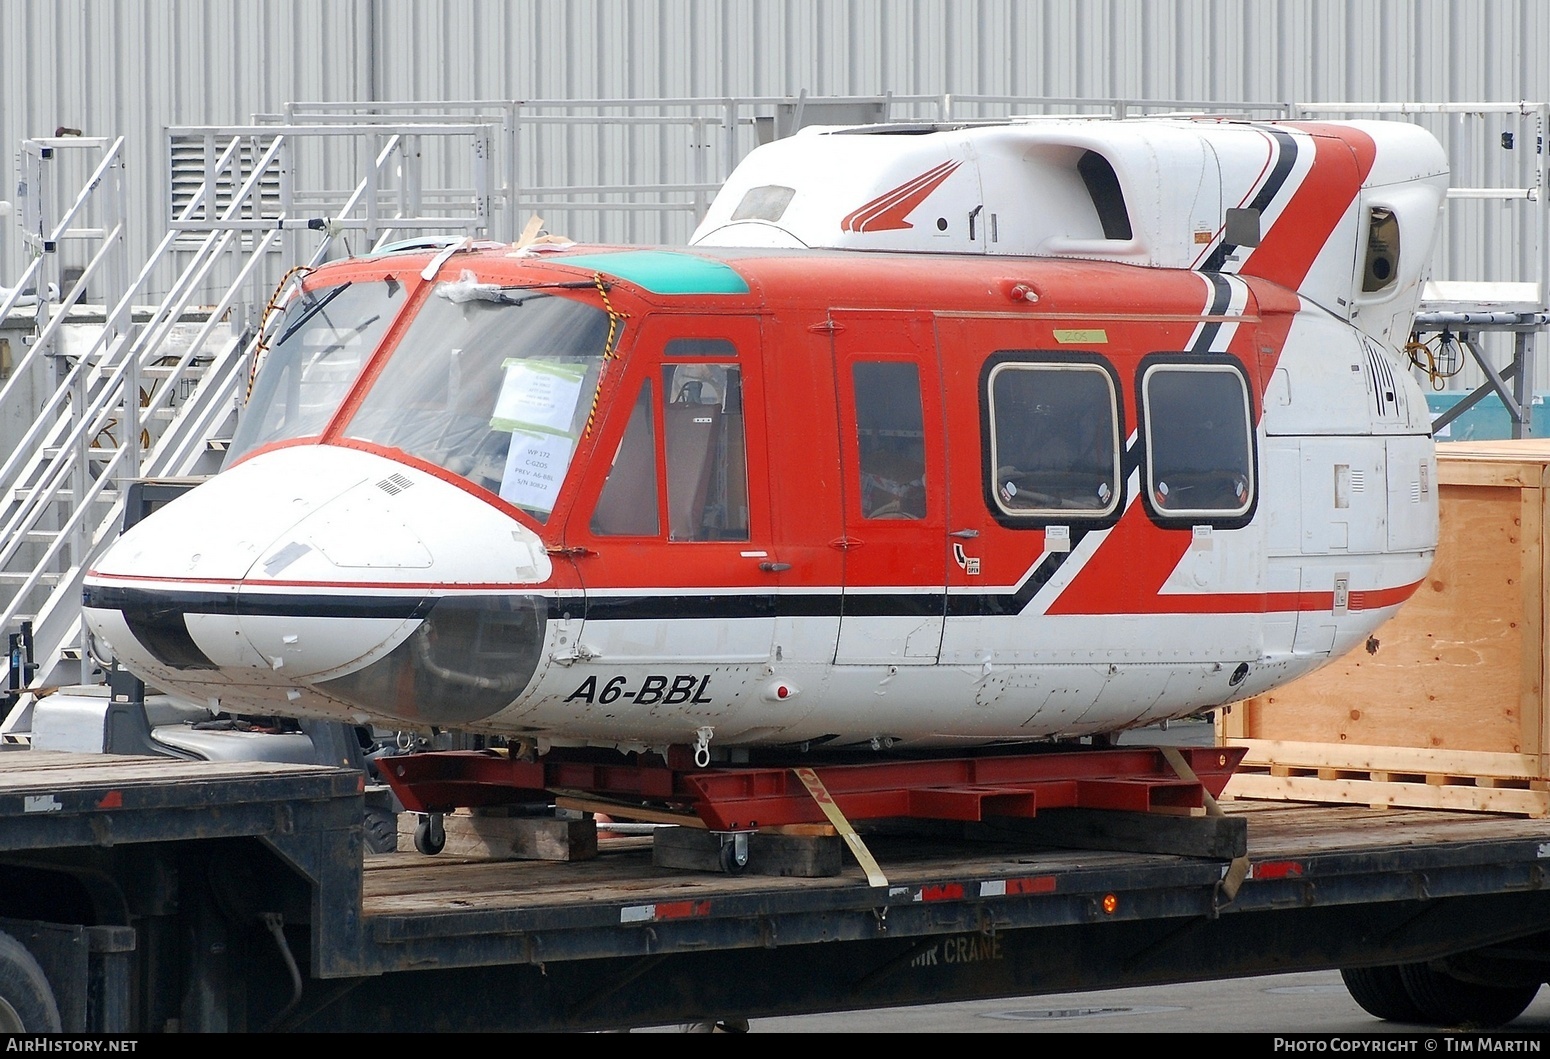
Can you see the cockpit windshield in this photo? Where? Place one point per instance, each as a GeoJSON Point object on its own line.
{"type": "Point", "coordinates": [324, 339]}
{"type": "Point", "coordinates": [494, 384]}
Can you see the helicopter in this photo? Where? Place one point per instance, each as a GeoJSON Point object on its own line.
{"type": "Point", "coordinates": [932, 436]}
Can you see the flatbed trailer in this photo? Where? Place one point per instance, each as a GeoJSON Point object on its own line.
{"type": "Point", "coordinates": [148, 894]}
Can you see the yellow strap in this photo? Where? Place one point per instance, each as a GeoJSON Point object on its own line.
{"type": "Point", "coordinates": [1174, 758]}
{"type": "Point", "coordinates": [1238, 870]}
{"type": "Point", "coordinates": [820, 793]}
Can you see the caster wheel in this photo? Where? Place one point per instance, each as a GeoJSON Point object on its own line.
{"type": "Point", "coordinates": [731, 862]}
{"type": "Point", "coordinates": [430, 838]}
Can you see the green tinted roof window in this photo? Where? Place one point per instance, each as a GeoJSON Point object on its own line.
{"type": "Point", "coordinates": [664, 272]}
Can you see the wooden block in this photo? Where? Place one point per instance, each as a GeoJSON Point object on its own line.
{"type": "Point", "coordinates": [803, 856]}
{"type": "Point", "coordinates": [1217, 837]}
{"type": "Point", "coordinates": [510, 837]}
{"type": "Point", "coordinates": [686, 847]}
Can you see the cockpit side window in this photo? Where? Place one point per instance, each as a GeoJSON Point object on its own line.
{"type": "Point", "coordinates": [687, 447]}
{"type": "Point", "coordinates": [707, 463]}
{"type": "Point", "coordinates": [1054, 440]}
{"type": "Point", "coordinates": [317, 351]}
{"type": "Point", "coordinates": [628, 504]}
{"type": "Point", "coordinates": [494, 384]}
{"type": "Point", "coordinates": [1199, 441]}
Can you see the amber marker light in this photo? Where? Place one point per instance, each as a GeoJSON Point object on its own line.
{"type": "Point", "coordinates": [1110, 903]}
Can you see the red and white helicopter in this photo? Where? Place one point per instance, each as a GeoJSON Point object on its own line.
{"type": "Point", "coordinates": [934, 435]}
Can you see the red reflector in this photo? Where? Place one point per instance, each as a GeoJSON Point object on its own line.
{"type": "Point", "coordinates": [947, 892]}
{"type": "Point", "coordinates": [1277, 869]}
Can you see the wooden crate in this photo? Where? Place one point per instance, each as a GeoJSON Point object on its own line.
{"type": "Point", "coordinates": [1448, 710]}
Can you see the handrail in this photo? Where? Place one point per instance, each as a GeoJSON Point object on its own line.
{"type": "Point", "coordinates": [67, 446]}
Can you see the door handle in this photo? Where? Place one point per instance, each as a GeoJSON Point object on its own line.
{"type": "Point", "coordinates": [774, 568]}
{"type": "Point", "coordinates": [965, 534]}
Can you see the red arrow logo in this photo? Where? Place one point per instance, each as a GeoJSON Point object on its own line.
{"type": "Point", "coordinates": [888, 210]}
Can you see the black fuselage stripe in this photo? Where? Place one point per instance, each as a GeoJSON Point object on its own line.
{"type": "Point", "coordinates": [1286, 157]}
{"type": "Point", "coordinates": [1279, 172]}
{"type": "Point", "coordinates": [1221, 299]}
{"type": "Point", "coordinates": [138, 604]}
{"type": "Point", "coordinates": [309, 605]}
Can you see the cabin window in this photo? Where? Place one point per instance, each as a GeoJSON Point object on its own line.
{"type": "Point", "coordinates": [1199, 441]}
{"type": "Point", "coordinates": [494, 384]}
{"type": "Point", "coordinates": [1382, 261]}
{"type": "Point", "coordinates": [707, 466]}
{"type": "Point", "coordinates": [628, 504]}
{"type": "Point", "coordinates": [891, 439]}
{"type": "Point", "coordinates": [1054, 440]}
{"type": "Point", "coordinates": [317, 352]}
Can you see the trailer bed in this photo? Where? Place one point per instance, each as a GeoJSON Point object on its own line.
{"type": "Point", "coordinates": [615, 941]}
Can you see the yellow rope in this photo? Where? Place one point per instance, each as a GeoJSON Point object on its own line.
{"type": "Point", "coordinates": [262, 344]}
{"type": "Point", "coordinates": [610, 350]}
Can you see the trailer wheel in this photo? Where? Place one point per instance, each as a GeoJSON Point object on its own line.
{"type": "Point", "coordinates": [430, 837]}
{"type": "Point", "coordinates": [1448, 1001]}
{"type": "Point", "coordinates": [26, 999]}
{"type": "Point", "coordinates": [1381, 992]}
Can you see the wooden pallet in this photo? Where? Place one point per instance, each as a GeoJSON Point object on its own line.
{"type": "Point", "coordinates": [1387, 777]}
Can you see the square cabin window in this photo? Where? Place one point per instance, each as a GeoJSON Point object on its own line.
{"type": "Point", "coordinates": [1199, 442]}
{"type": "Point", "coordinates": [1054, 439]}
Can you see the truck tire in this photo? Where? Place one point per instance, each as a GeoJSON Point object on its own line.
{"type": "Point", "coordinates": [1381, 992]}
{"type": "Point", "coordinates": [381, 834]}
{"type": "Point", "coordinates": [26, 999]}
{"type": "Point", "coordinates": [1448, 1001]}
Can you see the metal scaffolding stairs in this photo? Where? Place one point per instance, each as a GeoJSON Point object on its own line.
{"type": "Point", "coordinates": [139, 397]}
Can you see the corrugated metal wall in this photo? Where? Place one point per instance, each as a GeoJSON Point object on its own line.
{"type": "Point", "coordinates": [134, 67]}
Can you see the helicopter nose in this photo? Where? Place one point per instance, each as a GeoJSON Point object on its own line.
{"type": "Point", "coordinates": [292, 582]}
